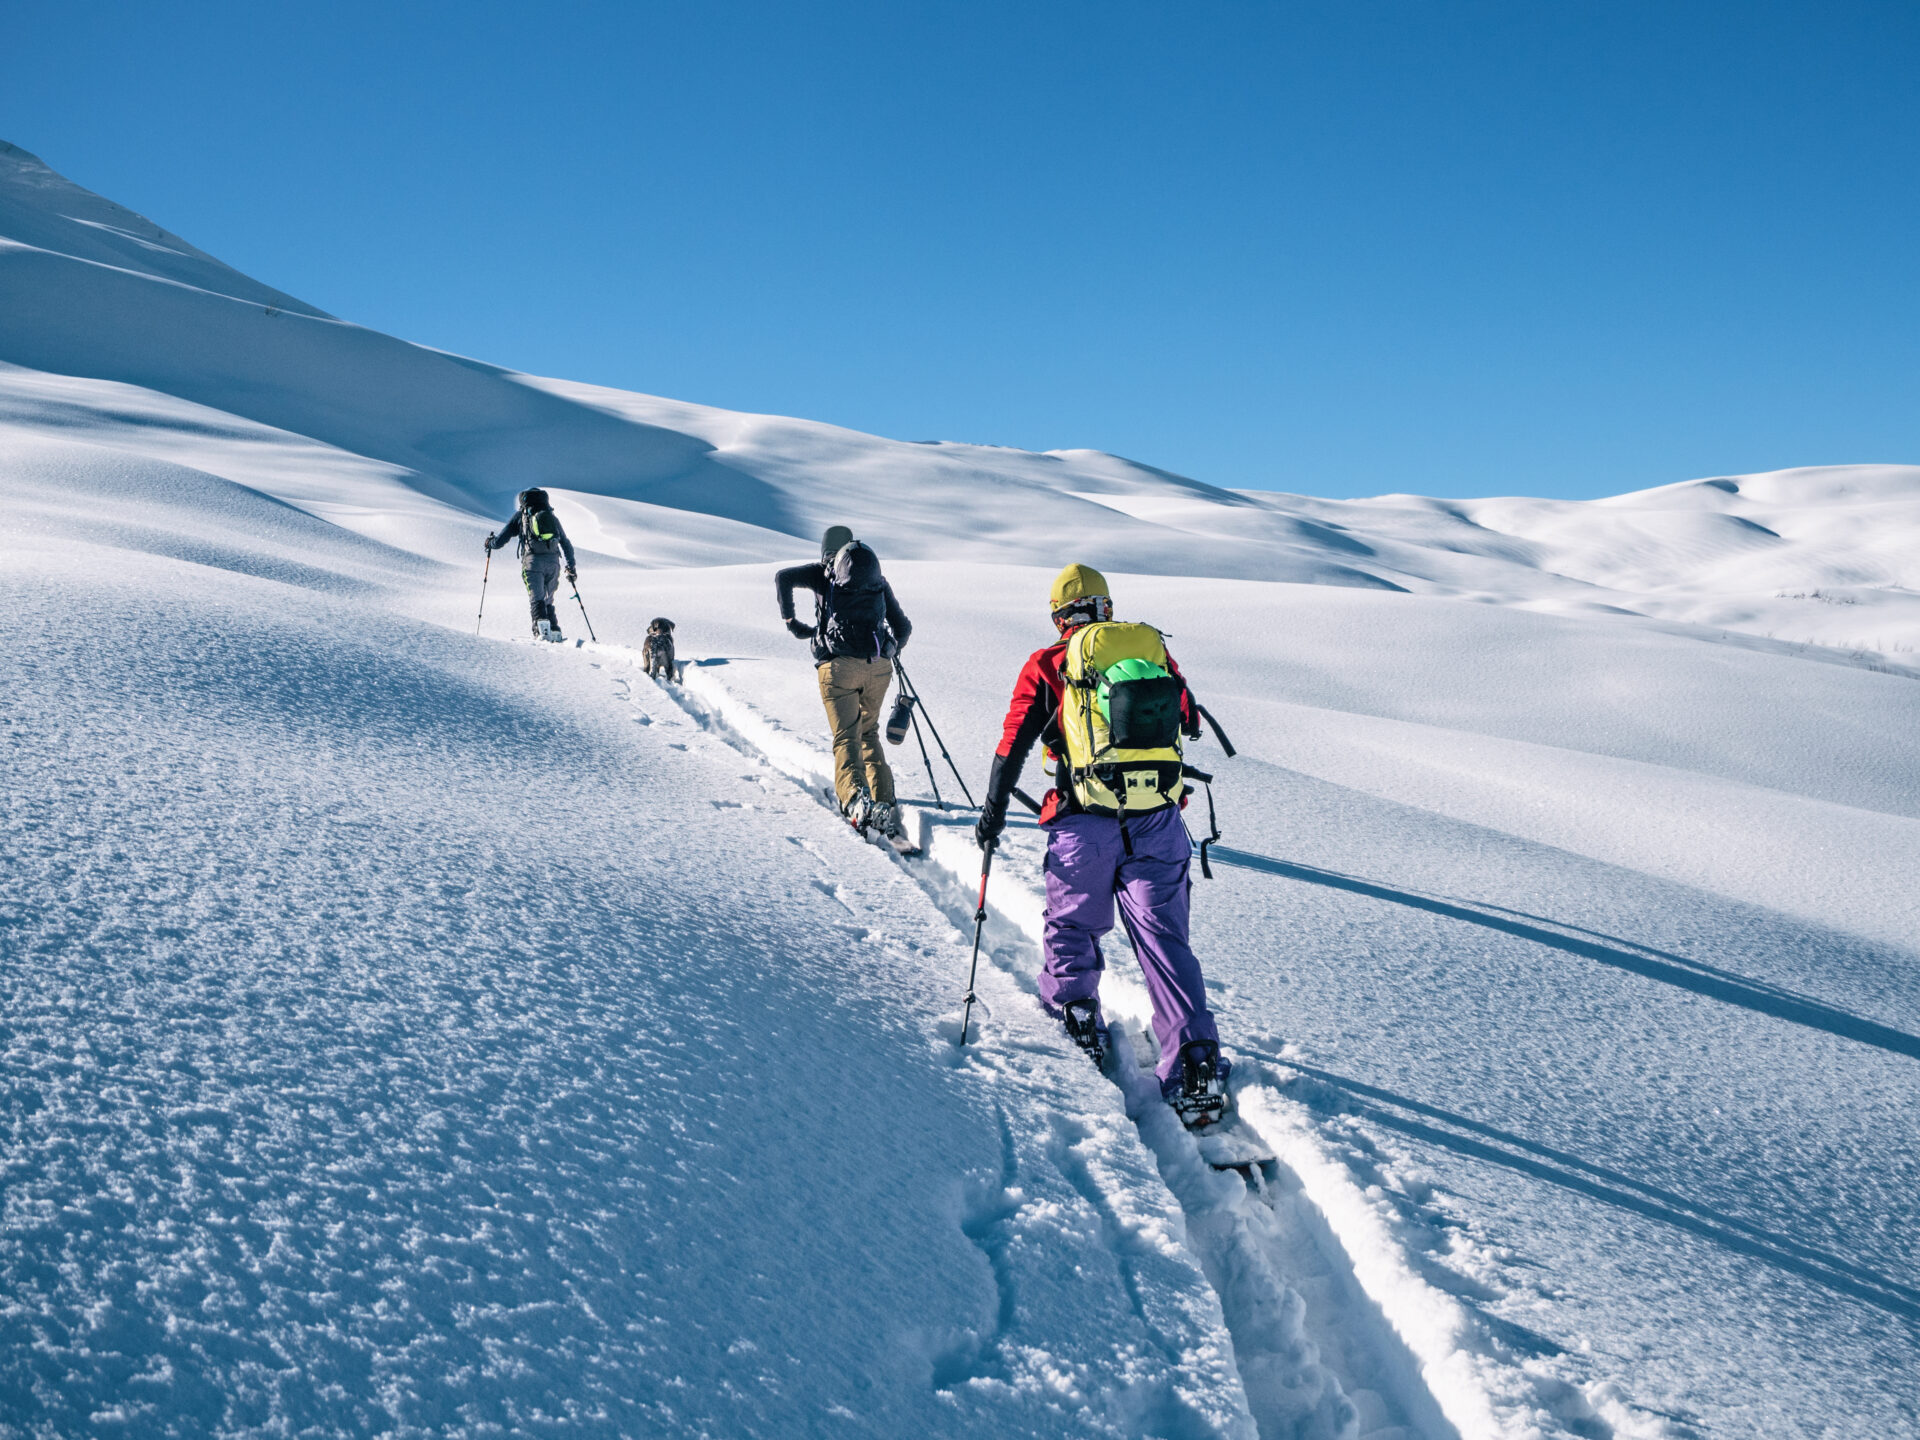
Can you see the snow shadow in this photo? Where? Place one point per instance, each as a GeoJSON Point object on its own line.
{"type": "Point", "coordinates": [1661, 965]}
{"type": "Point", "coordinates": [1322, 1090]}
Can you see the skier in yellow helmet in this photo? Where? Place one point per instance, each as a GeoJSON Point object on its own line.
{"type": "Point", "coordinates": [1109, 707]}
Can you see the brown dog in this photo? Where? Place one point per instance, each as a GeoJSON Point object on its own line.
{"type": "Point", "coordinates": [657, 654]}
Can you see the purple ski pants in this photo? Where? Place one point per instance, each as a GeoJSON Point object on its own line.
{"type": "Point", "coordinates": [1087, 870]}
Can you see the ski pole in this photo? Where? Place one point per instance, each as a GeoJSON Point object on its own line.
{"type": "Point", "coordinates": [979, 923]}
{"type": "Point", "coordinates": [920, 704]}
{"type": "Point", "coordinates": [924, 760]}
{"type": "Point", "coordinates": [483, 593]}
{"type": "Point", "coordinates": [583, 611]}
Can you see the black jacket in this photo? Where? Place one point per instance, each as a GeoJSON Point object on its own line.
{"type": "Point", "coordinates": [814, 577]}
{"type": "Point", "coordinates": [513, 528]}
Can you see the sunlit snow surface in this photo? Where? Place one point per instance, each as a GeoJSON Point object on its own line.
{"type": "Point", "coordinates": [419, 1033]}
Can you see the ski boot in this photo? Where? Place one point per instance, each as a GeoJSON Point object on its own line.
{"type": "Point", "coordinates": [540, 631]}
{"type": "Point", "coordinates": [1082, 1019]}
{"type": "Point", "coordinates": [886, 819]}
{"type": "Point", "coordinates": [859, 811]}
{"type": "Point", "coordinates": [1198, 1093]}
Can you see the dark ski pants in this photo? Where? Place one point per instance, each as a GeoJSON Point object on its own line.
{"type": "Point", "coordinates": [1087, 869]}
{"type": "Point", "coordinates": [542, 574]}
{"type": "Point", "coordinates": [855, 694]}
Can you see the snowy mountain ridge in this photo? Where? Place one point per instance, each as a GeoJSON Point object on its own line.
{"type": "Point", "coordinates": [92, 290]}
{"type": "Point", "coordinates": [416, 1030]}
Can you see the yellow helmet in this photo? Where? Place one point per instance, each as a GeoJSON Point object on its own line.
{"type": "Point", "coordinates": [1078, 582]}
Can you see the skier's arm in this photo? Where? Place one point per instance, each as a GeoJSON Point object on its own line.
{"type": "Point", "coordinates": [810, 577]}
{"type": "Point", "coordinates": [566, 545]}
{"type": "Point", "coordinates": [507, 532]}
{"type": "Point", "coordinates": [897, 620]}
{"type": "Point", "coordinates": [1033, 706]}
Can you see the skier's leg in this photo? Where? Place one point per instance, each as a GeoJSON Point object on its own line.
{"type": "Point", "coordinates": [873, 707]}
{"type": "Point", "coordinates": [535, 605]}
{"type": "Point", "coordinates": [840, 693]}
{"type": "Point", "coordinates": [1155, 892]}
{"type": "Point", "coordinates": [1082, 854]}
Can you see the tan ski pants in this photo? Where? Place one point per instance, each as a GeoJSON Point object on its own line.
{"type": "Point", "coordinates": [855, 694]}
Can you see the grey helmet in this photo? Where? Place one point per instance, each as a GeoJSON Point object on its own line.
{"type": "Point", "coordinates": [837, 538]}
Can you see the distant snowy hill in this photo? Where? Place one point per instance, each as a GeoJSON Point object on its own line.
{"type": "Point", "coordinates": [90, 290]}
{"type": "Point", "coordinates": [414, 1030]}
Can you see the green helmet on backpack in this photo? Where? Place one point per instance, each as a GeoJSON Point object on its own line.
{"type": "Point", "coordinates": [1119, 674]}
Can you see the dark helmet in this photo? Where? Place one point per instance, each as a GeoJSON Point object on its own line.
{"type": "Point", "coordinates": [535, 499]}
{"type": "Point", "coordinates": [837, 538]}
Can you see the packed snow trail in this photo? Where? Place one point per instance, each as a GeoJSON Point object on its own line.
{"type": "Point", "coordinates": [1254, 1248]}
{"type": "Point", "coordinates": [1360, 924]}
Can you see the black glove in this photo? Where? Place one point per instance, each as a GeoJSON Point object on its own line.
{"type": "Point", "coordinates": [572, 579]}
{"type": "Point", "coordinates": [489, 544]}
{"type": "Point", "coordinates": [798, 630]}
{"type": "Point", "coordinates": [993, 819]}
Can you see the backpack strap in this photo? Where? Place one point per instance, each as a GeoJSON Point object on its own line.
{"type": "Point", "coordinates": [1218, 733]}
{"type": "Point", "coordinates": [1213, 820]}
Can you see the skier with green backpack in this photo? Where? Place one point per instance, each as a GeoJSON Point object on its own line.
{"type": "Point", "coordinates": [1110, 708]}
{"type": "Point", "coordinates": [542, 543]}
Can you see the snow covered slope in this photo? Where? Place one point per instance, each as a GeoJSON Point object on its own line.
{"type": "Point", "coordinates": [87, 289]}
{"type": "Point", "coordinates": [411, 1031]}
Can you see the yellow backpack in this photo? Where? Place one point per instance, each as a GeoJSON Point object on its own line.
{"type": "Point", "coordinates": [1120, 720]}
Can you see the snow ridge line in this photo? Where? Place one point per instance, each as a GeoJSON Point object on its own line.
{"type": "Point", "coordinates": [1412, 1353]}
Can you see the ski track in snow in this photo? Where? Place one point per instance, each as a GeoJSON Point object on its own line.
{"type": "Point", "coordinates": [1334, 1333]}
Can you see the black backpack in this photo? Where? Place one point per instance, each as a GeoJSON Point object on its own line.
{"type": "Point", "coordinates": [539, 527]}
{"type": "Point", "coordinates": [853, 618]}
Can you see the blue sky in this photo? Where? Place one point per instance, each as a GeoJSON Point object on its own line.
{"type": "Point", "coordinates": [1347, 248]}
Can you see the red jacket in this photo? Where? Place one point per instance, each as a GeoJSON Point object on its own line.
{"type": "Point", "coordinates": [1034, 715]}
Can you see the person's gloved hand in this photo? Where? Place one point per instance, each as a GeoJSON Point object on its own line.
{"type": "Point", "coordinates": [799, 631]}
{"type": "Point", "coordinates": [1190, 727]}
{"type": "Point", "coordinates": [488, 544]}
{"type": "Point", "coordinates": [993, 819]}
{"type": "Point", "coordinates": [572, 578]}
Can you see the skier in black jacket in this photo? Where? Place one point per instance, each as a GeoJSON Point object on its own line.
{"type": "Point", "coordinates": [542, 543]}
{"type": "Point", "coordinates": [858, 628]}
